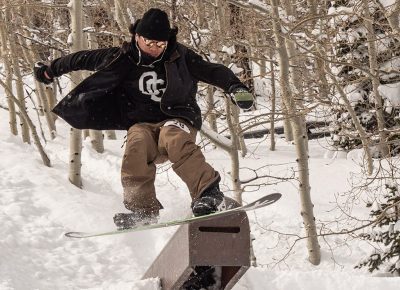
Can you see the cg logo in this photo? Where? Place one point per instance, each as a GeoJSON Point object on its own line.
{"type": "Point", "coordinates": [148, 84]}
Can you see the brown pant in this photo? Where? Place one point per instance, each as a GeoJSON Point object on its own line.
{"type": "Point", "coordinates": [148, 144]}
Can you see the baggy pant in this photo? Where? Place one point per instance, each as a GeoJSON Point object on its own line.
{"type": "Point", "coordinates": [149, 144]}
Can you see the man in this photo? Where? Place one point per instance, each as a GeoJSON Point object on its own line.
{"type": "Point", "coordinates": [148, 87]}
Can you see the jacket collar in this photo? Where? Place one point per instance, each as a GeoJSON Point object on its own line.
{"type": "Point", "coordinates": [169, 54]}
{"type": "Point", "coordinates": [174, 55]}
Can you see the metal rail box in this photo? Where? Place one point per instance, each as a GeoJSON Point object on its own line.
{"type": "Point", "coordinates": [222, 242]}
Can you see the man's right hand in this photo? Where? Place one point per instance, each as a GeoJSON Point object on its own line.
{"type": "Point", "coordinates": [39, 70]}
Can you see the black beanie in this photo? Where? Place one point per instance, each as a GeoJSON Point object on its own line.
{"type": "Point", "coordinates": [154, 25]}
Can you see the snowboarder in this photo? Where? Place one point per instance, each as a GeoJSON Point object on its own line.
{"type": "Point", "coordinates": [148, 87]}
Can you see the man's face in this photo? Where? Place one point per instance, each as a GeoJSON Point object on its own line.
{"type": "Point", "coordinates": [151, 47]}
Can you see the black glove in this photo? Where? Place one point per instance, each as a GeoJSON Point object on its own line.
{"type": "Point", "coordinates": [39, 69]}
{"type": "Point", "coordinates": [242, 98]}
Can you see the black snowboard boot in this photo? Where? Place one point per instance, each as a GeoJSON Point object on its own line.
{"type": "Point", "coordinates": [201, 278]}
{"type": "Point", "coordinates": [211, 200]}
{"type": "Point", "coordinates": [138, 217]}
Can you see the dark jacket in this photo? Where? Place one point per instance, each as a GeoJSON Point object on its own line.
{"type": "Point", "coordinates": [99, 103]}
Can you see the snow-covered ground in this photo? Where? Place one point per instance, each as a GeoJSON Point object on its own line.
{"type": "Point", "coordinates": [38, 205]}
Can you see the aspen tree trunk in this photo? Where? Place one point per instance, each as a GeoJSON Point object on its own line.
{"type": "Point", "coordinates": [211, 117]}
{"type": "Point", "coordinates": [261, 40]}
{"type": "Point", "coordinates": [75, 134]}
{"type": "Point", "coordinates": [234, 117]}
{"type": "Point", "coordinates": [313, 4]}
{"type": "Point", "coordinates": [121, 16]}
{"type": "Point", "coordinates": [85, 134]}
{"type": "Point", "coordinates": [238, 130]}
{"type": "Point", "coordinates": [75, 152]}
{"type": "Point", "coordinates": [287, 127]}
{"type": "Point", "coordinates": [240, 143]}
{"type": "Point", "coordinates": [43, 92]}
{"type": "Point", "coordinates": [323, 85]}
{"type": "Point", "coordinates": [110, 134]}
{"type": "Point", "coordinates": [263, 67]}
{"type": "Point", "coordinates": [96, 139]}
{"type": "Point", "coordinates": [8, 77]}
{"type": "Point", "coordinates": [228, 145]}
{"type": "Point", "coordinates": [294, 69]}
{"type": "Point", "coordinates": [54, 54]}
{"type": "Point", "coordinates": [24, 114]}
{"type": "Point", "coordinates": [359, 127]}
{"type": "Point", "coordinates": [50, 93]}
{"type": "Point", "coordinates": [293, 54]}
{"type": "Point", "coordinates": [27, 54]}
{"type": "Point", "coordinates": [273, 103]}
{"type": "Point", "coordinates": [307, 213]}
{"type": "Point", "coordinates": [18, 78]}
{"type": "Point", "coordinates": [233, 153]}
{"type": "Point", "coordinates": [241, 52]}
{"type": "Point", "coordinates": [393, 17]}
{"type": "Point", "coordinates": [374, 68]}
{"type": "Point", "coordinates": [353, 115]}
{"type": "Point", "coordinates": [31, 56]}
{"type": "Point", "coordinates": [200, 13]}
{"type": "Point", "coordinates": [174, 15]}
{"type": "Point", "coordinates": [96, 136]}
{"type": "Point", "coordinates": [220, 10]}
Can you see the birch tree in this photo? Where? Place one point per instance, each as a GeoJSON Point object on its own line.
{"type": "Point", "coordinates": [392, 13]}
{"type": "Point", "coordinates": [18, 77]}
{"type": "Point", "coordinates": [241, 52]}
{"type": "Point", "coordinates": [76, 77]}
{"type": "Point", "coordinates": [366, 50]}
{"type": "Point", "coordinates": [374, 70]}
{"type": "Point", "coordinates": [96, 136]}
{"type": "Point", "coordinates": [273, 104]}
{"type": "Point", "coordinates": [27, 119]}
{"type": "Point", "coordinates": [7, 84]}
{"type": "Point", "coordinates": [296, 70]}
{"type": "Point", "coordinates": [297, 124]}
{"type": "Point", "coordinates": [121, 16]}
{"type": "Point", "coordinates": [45, 94]}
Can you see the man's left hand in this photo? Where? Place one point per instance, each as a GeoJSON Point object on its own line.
{"type": "Point", "coordinates": [243, 98]}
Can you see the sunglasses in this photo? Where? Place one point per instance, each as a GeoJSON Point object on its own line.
{"type": "Point", "coordinates": [151, 43]}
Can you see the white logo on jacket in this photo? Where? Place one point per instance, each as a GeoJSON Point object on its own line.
{"type": "Point", "coordinates": [149, 83]}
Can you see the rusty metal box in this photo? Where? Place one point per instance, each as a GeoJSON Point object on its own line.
{"type": "Point", "coordinates": [222, 242]}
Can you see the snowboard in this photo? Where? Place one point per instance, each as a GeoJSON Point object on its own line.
{"type": "Point", "coordinates": [259, 203]}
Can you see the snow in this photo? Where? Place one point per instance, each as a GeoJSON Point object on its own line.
{"type": "Point", "coordinates": [387, 3]}
{"type": "Point", "coordinates": [304, 280]}
{"type": "Point", "coordinates": [390, 68]}
{"type": "Point", "coordinates": [38, 205]}
{"type": "Point", "coordinates": [229, 50]}
{"type": "Point", "coordinates": [233, 67]}
{"type": "Point", "coordinates": [353, 93]}
{"type": "Point", "coordinates": [391, 92]}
